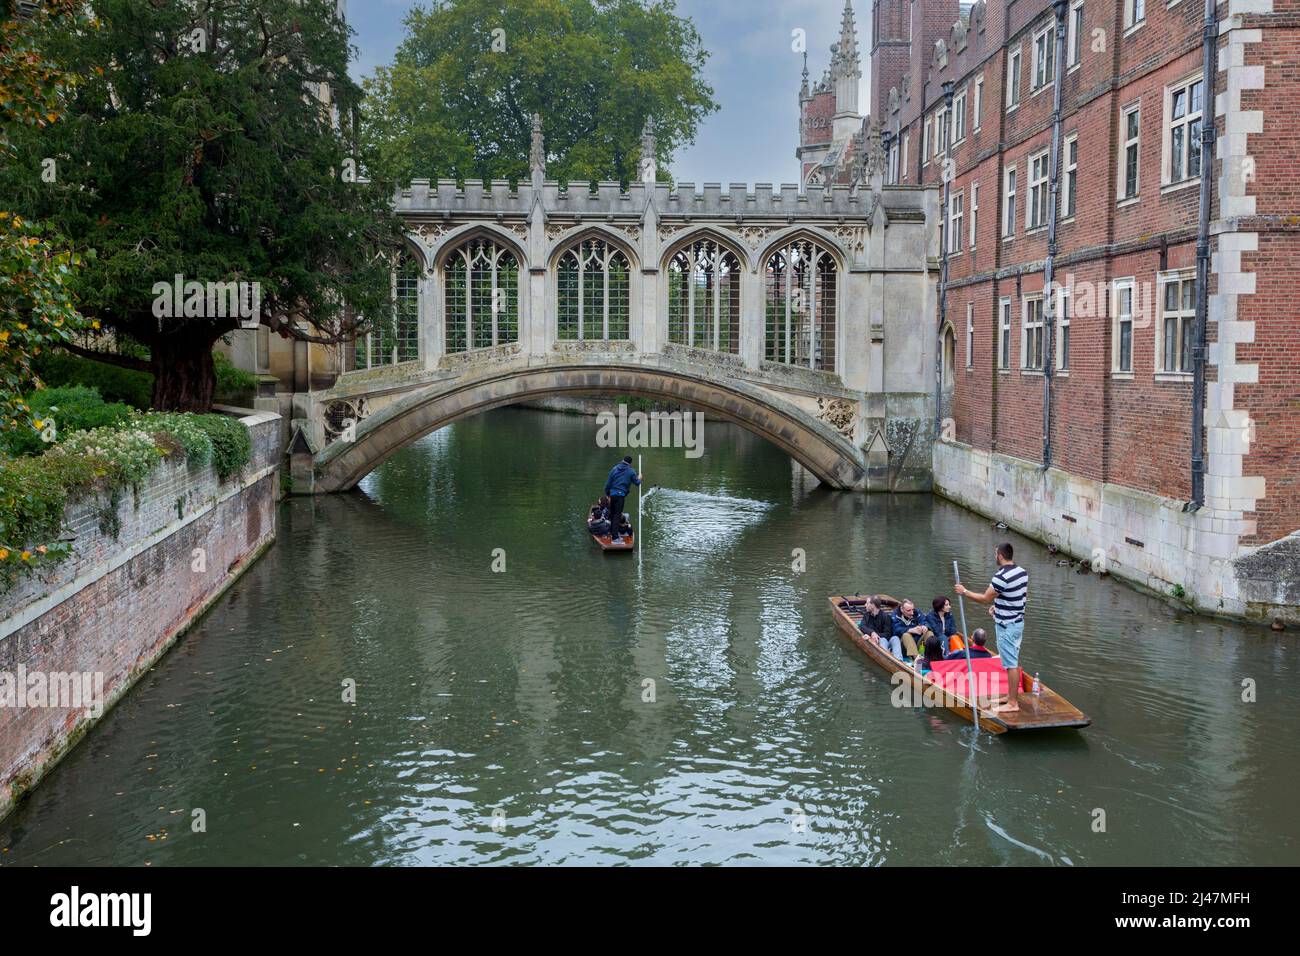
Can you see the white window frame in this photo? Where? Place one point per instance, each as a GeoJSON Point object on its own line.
{"type": "Point", "coordinates": [1070, 179]}
{"type": "Point", "coordinates": [959, 118]}
{"type": "Point", "coordinates": [942, 131]}
{"type": "Point", "coordinates": [925, 143]}
{"type": "Point", "coordinates": [1188, 117]}
{"type": "Point", "coordinates": [1061, 338]}
{"type": "Point", "coordinates": [1074, 36]}
{"type": "Point", "coordinates": [1004, 334]}
{"type": "Point", "coordinates": [903, 165]}
{"type": "Point", "coordinates": [1037, 206]}
{"type": "Point", "coordinates": [1135, 14]}
{"type": "Point", "coordinates": [970, 335]}
{"type": "Point", "coordinates": [1027, 328]}
{"type": "Point", "coordinates": [1124, 145]}
{"type": "Point", "coordinates": [1182, 315]}
{"type": "Point", "coordinates": [1043, 55]}
{"type": "Point", "coordinates": [1118, 320]}
{"type": "Point", "coordinates": [956, 216]}
{"type": "Point", "coordinates": [1009, 185]}
{"type": "Point", "coordinates": [974, 210]}
{"type": "Point", "coordinates": [1013, 79]}
{"type": "Point", "coordinates": [977, 107]}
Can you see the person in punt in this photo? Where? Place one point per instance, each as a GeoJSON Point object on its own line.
{"type": "Point", "coordinates": [909, 630]}
{"type": "Point", "coordinates": [978, 639]}
{"type": "Point", "coordinates": [940, 622]}
{"type": "Point", "coordinates": [879, 628]}
{"type": "Point", "coordinates": [933, 652]}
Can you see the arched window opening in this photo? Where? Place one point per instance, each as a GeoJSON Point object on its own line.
{"type": "Point", "coordinates": [949, 356]}
{"type": "Point", "coordinates": [481, 296]}
{"type": "Point", "coordinates": [397, 337]}
{"type": "Point", "coordinates": [704, 297]}
{"type": "Point", "coordinates": [801, 306]}
{"type": "Point", "coordinates": [594, 285]}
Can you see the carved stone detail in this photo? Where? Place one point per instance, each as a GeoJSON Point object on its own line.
{"type": "Point", "coordinates": [838, 413]}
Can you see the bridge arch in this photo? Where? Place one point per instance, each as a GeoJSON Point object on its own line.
{"type": "Point", "coordinates": [818, 447]}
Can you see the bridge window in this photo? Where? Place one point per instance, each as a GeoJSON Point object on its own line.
{"type": "Point", "coordinates": [594, 286]}
{"type": "Point", "coordinates": [800, 324]}
{"type": "Point", "coordinates": [397, 337]}
{"type": "Point", "coordinates": [481, 296]}
{"type": "Point", "coordinates": [704, 297]}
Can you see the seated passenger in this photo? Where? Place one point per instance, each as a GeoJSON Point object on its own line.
{"type": "Point", "coordinates": [939, 620]}
{"type": "Point", "coordinates": [933, 652]}
{"type": "Point", "coordinates": [624, 526]}
{"type": "Point", "coordinates": [878, 627]}
{"type": "Point", "coordinates": [907, 627]}
{"type": "Point", "coordinates": [977, 649]}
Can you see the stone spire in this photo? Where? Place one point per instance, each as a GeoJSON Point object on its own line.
{"type": "Point", "coordinates": [649, 152]}
{"type": "Point", "coordinates": [847, 61]}
{"type": "Point", "coordinates": [537, 152]}
{"type": "Point", "coordinates": [804, 93]}
{"type": "Point", "coordinates": [846, 65]}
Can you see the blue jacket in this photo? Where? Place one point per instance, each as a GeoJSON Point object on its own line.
{"type": "Point", "coordinates": [944, 627]}
{"type": "Point", "coordinates": [902, 626]}
{"type": "Point", "coordinates": [621, 479]}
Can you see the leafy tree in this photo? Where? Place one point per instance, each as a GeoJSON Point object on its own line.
{"type": "Point", "coordinates": [212, 140]}
{"type": "Point", "coordinates": [36, 305]}
{"type": "Point", "coordinates": [457, 102]}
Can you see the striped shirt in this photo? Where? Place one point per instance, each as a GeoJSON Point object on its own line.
{"type": "Point", "coordinates": [1012, 584]}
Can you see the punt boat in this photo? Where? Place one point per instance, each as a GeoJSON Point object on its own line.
{"type": "Point", "coordinates": [1047, 710]}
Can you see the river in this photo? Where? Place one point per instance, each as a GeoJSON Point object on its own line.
{"type": "Point", "coordinates": [379, 689]}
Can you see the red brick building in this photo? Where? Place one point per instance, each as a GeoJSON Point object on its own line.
{"type": "Point", "coordinates": [1122, 340]}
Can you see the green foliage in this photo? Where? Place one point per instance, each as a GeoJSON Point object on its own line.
{"type": "Point", "coordinates": [208, 161]}
{"type": "Point", "coordinates": [58, 412]}
{"type": "Point", "coordinates": [231, 445]}
{"type": "Point", "coordinates": [233, 383]}
{"type": "Point", "coordinates": [452, 106]}
{"type": "Point", "coordinates": [33, 495]}
{"type": "Point", "coordinates": [191, 436]}
{"type": "Point", "coordinates": [57, 368]}
{"type": "Point", "coordinates": [35, 491]}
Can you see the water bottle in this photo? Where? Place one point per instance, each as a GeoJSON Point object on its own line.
{"type": "Point", "coordinates": [1038, 688]}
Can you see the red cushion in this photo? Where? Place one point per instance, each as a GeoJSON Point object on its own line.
{"type": "Point", "coordinates": [990, 677]}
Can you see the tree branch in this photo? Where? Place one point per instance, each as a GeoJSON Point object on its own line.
{"type": "Point", "coordinates": [108, 358]}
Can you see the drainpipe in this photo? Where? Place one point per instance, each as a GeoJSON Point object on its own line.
{"type": "Point", "coordinates": [1209, 52]}
{"type": "Point", "coordinates": [1060, 7]}
{"type": "Point", "coordinates": [943, 255]}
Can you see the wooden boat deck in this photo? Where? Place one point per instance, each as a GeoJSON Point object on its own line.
{"type": "Point", "coordinates": [1049, 710]}
{"type": "Point", "coordinates": [606, 543]}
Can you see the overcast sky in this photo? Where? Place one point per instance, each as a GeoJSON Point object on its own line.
{"type": "Point", "coordinates": [752, 69]}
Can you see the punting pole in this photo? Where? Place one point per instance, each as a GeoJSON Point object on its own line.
{"type": "Point", "coordinates": [970, 675]}
{"type": "Point", "coordinates": [640, 526]}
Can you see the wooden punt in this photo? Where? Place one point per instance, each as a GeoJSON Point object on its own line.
{"type": "Point", "coordinates": [606, 543]}
{"type": "Point", "coordinates": [1049, 710]}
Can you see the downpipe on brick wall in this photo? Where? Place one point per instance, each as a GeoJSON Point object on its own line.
{"type": "Point", "coordinates": [1209, 51]}
{"type": "Point", "coordinates": [1049, 268]}
{"type": "Point", "coordinates": [944, 241]}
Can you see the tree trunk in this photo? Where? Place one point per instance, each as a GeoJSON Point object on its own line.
{"type": "Point", "coordinates": [184, 376]}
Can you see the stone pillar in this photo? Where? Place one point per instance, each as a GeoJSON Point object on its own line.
{"type": "Point", "coordinates": [752, 296]}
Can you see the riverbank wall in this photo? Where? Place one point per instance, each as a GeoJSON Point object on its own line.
{"type": "Point", "coordinates": [1193, 559]}
{"type": "Point", "coordinates": [76, 638]}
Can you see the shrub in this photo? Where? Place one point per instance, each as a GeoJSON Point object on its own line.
{"type": "Point", "coordinates": [33, 495]}
{"type": "Point", "coordinates": [58, 412]}
{"type": "Point", "coordinates": [231, 446]}
{"type": "Point", "coordinates": [114, 384]}
{"type": "Point", "coordinates": [185, 430]}
{"type": "Point", "coordinates": [234, 385]}
{"type": "Point", "coordinates": [131, 452]}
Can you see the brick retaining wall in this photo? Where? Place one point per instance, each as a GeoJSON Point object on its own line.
{"type": "Point", "coordinates": [119, 602]}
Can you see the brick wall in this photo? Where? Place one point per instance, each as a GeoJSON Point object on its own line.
{"type": "Point", "coordinates": [119, 602]}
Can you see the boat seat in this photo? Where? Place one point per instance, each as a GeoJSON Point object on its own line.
{"type": "Point", "coordinates": [990, 676]}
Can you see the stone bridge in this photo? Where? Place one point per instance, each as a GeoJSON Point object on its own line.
{"type": "Point", "coordinates": [805, 316]}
